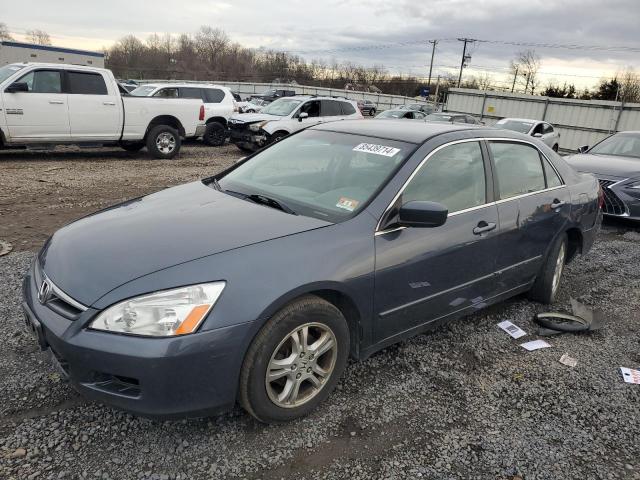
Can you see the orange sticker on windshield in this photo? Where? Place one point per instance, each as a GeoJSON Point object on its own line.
{"type": "Point", "coordinates": [347, 203]}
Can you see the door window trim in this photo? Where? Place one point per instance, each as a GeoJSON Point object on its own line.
{"type": "Point", "coordinates": [487, 156]}
{"type": "Point", "coordinates": [61, 72]}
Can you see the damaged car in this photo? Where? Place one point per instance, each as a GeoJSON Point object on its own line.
{"type": "Point", "coordinates": [252, 131]}
{"type": "Point", "coordinates": [257, 284]}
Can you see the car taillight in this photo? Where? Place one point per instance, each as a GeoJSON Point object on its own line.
{"type": "Point", "coordinates": [201, 116]}
{"type": "Point", "coordinates": [600, 197]}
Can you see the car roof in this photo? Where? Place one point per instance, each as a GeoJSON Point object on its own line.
{"type": "Point", "coordinates": [523, 120]}
{"type": "Point", "coordinates": [412, 132]}
{"type": "Point", "coordinates": [184, 85]}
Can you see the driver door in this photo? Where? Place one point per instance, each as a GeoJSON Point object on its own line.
{"type": "Point", "coordinates": [312, 109]}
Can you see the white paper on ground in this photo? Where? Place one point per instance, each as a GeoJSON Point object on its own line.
{"type": "Point", "coordinates": [630, 376]}
{"type": "Point", "coordinates": [568, 361]}
{"type": "Point", "coordinates": [535, 345]}
{"type": "Point", "coordinates": [513, 330]}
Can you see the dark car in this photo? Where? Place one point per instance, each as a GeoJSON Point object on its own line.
{"type": "Point", "coordinates": [615, 161]}
{"type": "Point", "coordinates": [452, 118]}
{"type": "Point", "coordinates": [256, 285]}
{"type": "Point", "coordinates": [401, 114]}
{"type": "Point", "coordinates": [367, 107]}
{"type": "Point", "coordinates": [274, 94]}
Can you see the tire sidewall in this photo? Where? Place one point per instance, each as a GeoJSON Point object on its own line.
{"type": "Point", "coordinates": [281, 325]}
{"type": "Point", "coordinates": [214, 128]}
{"type": "Point", "coordinates": [542, 290]}
{"type": "Point", "coordinates": [153, 135]}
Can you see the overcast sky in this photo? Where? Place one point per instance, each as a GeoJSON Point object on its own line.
{"type": "Point", "coordinates": [331, 29]}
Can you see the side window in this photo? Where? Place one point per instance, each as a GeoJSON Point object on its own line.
{"type": "Point", "coordinates": [191, 92]}
{"type": "Point", "coordinates": [547, 129]}
{"type": "Point", "coordinates": [213, 95]}
{"type": "Point", "coordinates": [453, 176]}
{"type": "Point", "coordinates": [43, 81]}
{"type": "Point", "coordinates": [347, 108]}
{"type": "Point", "coordinates": [330, 108]}
{"type": "Point", "coordinates": [537, 129]}
{"type": "Point", "coordinates": [553, 180]}
{"type": "Point", "coordinates": [167, 93]}
{"type": "Point", "coordinates": [83, 83]}
{"type": "Point", "coordinates": [311, 108]}
{"type": "Point", "coordinates": [518, 168]}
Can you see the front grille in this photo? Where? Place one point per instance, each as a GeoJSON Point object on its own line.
{"type": "Point", "coordinates": [55, 299]}
{"type": "Point", "coordinates": [612, 203]}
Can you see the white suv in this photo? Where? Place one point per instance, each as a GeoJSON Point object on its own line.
{"type": "Point", "coordinates": [218, 102]}
{"type": "Point", "coordinates": [251, 131]}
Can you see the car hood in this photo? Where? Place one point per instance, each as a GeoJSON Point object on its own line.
{"type": "Point", "coordinates": [606, 165]}
{"type": "Point", "coordinates": [253, 117]}
{"type": "Point", "coordinates": [92, 256]}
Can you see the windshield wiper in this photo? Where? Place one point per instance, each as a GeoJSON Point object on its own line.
{"type": "Point", "coordinates": [270, 202]}
{"type": "Point", "coordinates": [216, 184]}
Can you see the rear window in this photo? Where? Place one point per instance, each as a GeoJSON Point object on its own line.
{"type": "Point", "coordinates": [330, 108]}
{"type": "Point", "coordinates": [84, 83]}
{"type": "Point", "coordinates": [347, 108]}
{"type": "Point", "coordinates": [213, 95]}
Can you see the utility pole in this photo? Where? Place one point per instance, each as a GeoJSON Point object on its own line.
{"type": "Point", "coordinates": [433, 51]}
{"type": "Point", "coordinates": [436, 95]}
{"type": "Point", "coordinates": [515, 75]}
{"type": "Point", "coordinates": [464, 56]}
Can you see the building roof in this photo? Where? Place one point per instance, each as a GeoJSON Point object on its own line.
{"type": "Point", "coordinates": [50, 48]}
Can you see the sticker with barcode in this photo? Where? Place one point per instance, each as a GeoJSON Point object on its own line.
{"type": "Point", "coordinates": [376, 149]}
{"type": "Point", "coordinates": [513, 330]}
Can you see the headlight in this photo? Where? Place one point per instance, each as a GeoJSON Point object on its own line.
{"type": "Point", "coordinates": [255, 127]}
{"type": "Point", "coordinates": [161, 314]}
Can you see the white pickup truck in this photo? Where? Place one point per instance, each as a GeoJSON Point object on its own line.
{"type": "Point", "coordinates": [51, 104]}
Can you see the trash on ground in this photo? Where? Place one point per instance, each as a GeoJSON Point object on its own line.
{"type": "Point", "coordinates": [568, 360]}
{"type": "Point", "coordinates": [5, 247]}
{"type": "Point", "coordinates": [513, 330]}
{"type": "Point", "coordinates": [584, 319]}
{"type": "Point", "coordinates": [534, 345]}
{"type": "Point", "coordinates": [630, 376]}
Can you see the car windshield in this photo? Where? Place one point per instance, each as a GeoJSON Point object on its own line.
{"type": "Point", "coordinates": [438, 117]}
{"type": "Point", "coordinates": [521, 126]}
{"type": "Point", "coordinates": [143, 91]}
{"type": "Point", "coordinates": [282, 107]}
{"type": "Point", "coordinates": [8, 70]}
{"type": "Point", "coordinates": [391, 114]}
{"type": "Point", "coordinates": [325, 175]}
{"type": "Point", "coordinates": [623, 145]}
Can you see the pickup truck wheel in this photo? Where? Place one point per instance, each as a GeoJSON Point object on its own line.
{"type": "Point", "coordinates": [295, 361]}
{"type": "Point", "coordinates": [163, 142]}
{"type": "Point", "coordinates": [215, 134]}
{"type": "Point", "coordinates": [133, 147]}
{"type": "Point", "coordinates": [547, 282]}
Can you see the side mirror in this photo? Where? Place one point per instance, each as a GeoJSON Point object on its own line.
{"type": "Point", "coordinates": [583, 149]}
{"type": "Point", "coordinates": [422, 214]}
{"type": "Point", "coordinates": [302, 116]}
{"type": "Point", "coordinates": [537, 135]}
{"type": "Point", "coordinates": [17, 87]}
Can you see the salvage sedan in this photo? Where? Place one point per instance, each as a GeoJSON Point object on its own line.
{"type": "Point", "coordinates": [615, 161]}
{"type": "Point", "coordinates": [257, 284]}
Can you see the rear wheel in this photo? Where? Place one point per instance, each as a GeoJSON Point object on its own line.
{"type": "Point", "coordinates": [547, 283]}
{"type": "Point", "coordinates": [215, 134]}
{"type": "Point", "coordinates": [163, 142]}
{"type": "Point", "coordinates": [295, 361]}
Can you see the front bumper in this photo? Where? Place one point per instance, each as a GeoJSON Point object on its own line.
{"type": "Point", "coordinates": [247, 139]}
{"type": "Point", "coordinates": [190, 375]}
{"type": "Point", "coordinates": [620, 201]}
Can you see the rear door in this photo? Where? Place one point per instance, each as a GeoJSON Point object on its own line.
{"type": "Point", "coordinates": [425, 274]}
{"type": "Point", "coordinates": [533, 206]}
{"type": "Point", "coordinates": [40, 113]}
{"type": "Point", "coordinates": [95, 110]}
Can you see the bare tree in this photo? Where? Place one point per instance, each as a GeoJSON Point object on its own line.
{"type": "Point", "coordinates": [525, 70]}
{"type": "Point", "coordinates": [4, 32]}
{"type": "Point", "coordinates": [485, 82]}
{"type": "Point", "coordinates": [39, 37]}
{"type": "Point", "coordinates": [629, 86]}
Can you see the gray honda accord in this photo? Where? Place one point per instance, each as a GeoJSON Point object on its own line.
{"type": "Point", "coordinates": [256, 285]}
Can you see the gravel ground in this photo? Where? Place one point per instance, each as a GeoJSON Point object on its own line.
{"type": "Point", "coordinates": [462, 402]}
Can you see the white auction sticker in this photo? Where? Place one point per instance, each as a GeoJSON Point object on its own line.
{"type": "Point", "coordinates": [376, 149]}
{"type": "Point", "coordinates": [513, 330]}
{"type": "Point", "coordinates": [535, 345]}
{"type": "Point", "coordinates": [630, 376]}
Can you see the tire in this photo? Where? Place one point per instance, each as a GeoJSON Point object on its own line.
{"type": "Point", "coordinates": [267, 400]}
{"type": "Point", "coordinates": [555, 148]}
{"type": "Point", "coordinates": [215, 134]}
{"type": "Point", "coordinates": [163, 142]}
{"type": "Point", "coordinates": [133, 147]}
{"type": "Point", "coordinates": [547, 282]}
{"type": "Point", "coordinates": [249, 111]}
{"type": "Point", "coordinates": [244, 149]}
{"type": "Point", "coordinates": [276, 137]}
{"type": "Point", "coordinates": [372, 112]}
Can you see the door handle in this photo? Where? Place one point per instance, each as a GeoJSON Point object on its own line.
{"type": "Point", "coordinates": [56, 102]}
{"type": "Point", "coordinates": [557, 203]}
{"type": "Point", "coordinates": [108, 103]}
{"type": "Point", "coordinates": [483, 227]}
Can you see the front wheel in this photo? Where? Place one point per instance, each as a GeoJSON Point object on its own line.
{"type": "Point", "coordinates": [295, 361]}
{"type": "Point", "coordinates": [547, 283]}
{"type": "Point", "coordinates": [372, 112]}
{"type": "Point", "coordinates": [163, 142]}
{"type": "Point", "coordinates": [215, 134]}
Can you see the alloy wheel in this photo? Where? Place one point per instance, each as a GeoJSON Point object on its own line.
{"type": "Point", "coordinates": [166, 143]}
